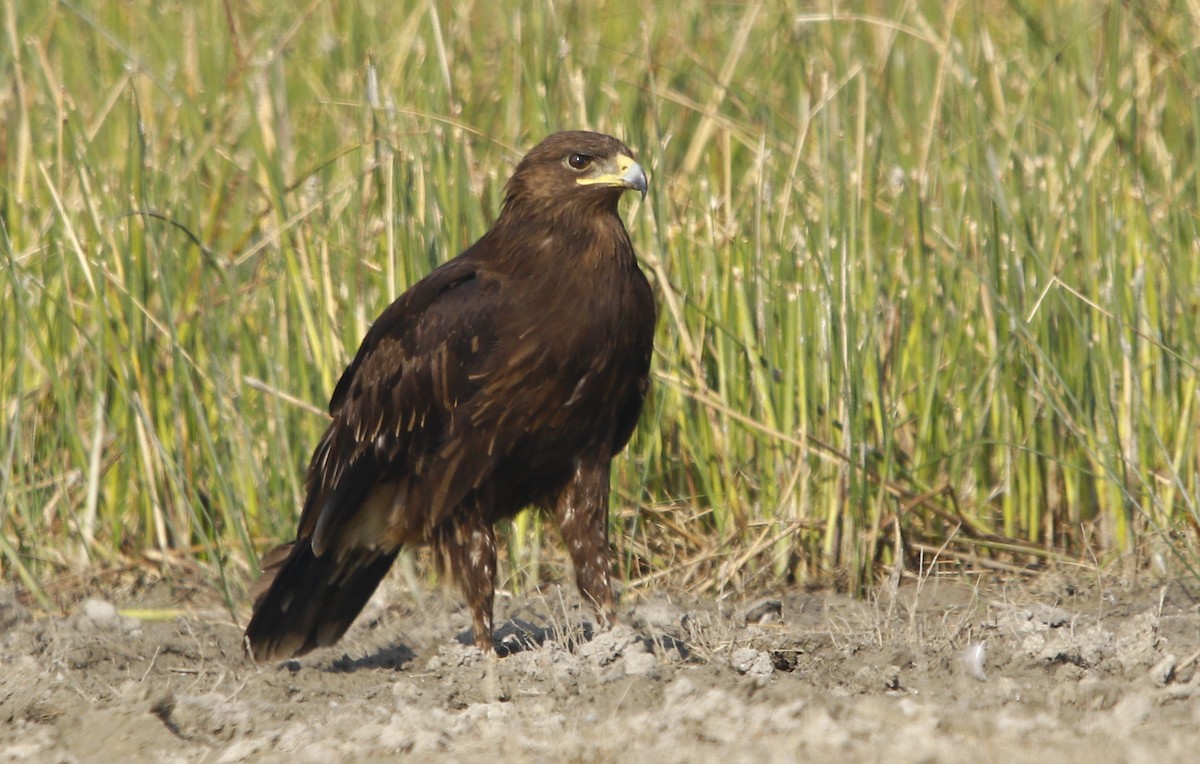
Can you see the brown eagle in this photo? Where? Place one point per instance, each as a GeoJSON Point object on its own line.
{"type": "Point", "coordinates": [510, 376]}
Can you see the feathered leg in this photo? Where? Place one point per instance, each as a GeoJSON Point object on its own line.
{"type": "Point", "coordinates": [469, 543]}
{"type": "Point", "coordinates": [581, 510]}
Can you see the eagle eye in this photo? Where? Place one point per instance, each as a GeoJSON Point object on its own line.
{"type": "Point", "coordinates": [579, 162]}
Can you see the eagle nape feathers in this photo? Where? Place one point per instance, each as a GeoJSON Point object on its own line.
{"type": "Point", "coordinates": [508, 377]}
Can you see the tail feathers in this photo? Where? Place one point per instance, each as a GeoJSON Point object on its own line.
{"type": "Point", "coordinates": [304, 601]}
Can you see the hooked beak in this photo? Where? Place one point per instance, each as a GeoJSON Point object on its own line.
{"type": "Point", "coordinates": [623, 173]}
{"type": "Point", "coordinates": [632, 175]}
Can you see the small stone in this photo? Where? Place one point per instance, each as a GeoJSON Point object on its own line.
{"type": "Point", "coordinates": [606, 647]}
{"type": "Point", "coordinates": [101, 612]}
{"type": "Point", "coordinates": [756, 663]}
{"type": "Point", "coordinates": [973, 659]}
{"type": "Point", "coordinates": [764, 612]}
{"type": "Point", "coordinates": [1164, 671]}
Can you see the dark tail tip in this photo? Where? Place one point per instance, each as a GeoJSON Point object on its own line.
{"type": "Point", "coordinates": [303, 601]}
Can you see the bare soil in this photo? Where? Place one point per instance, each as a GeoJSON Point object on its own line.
{"type": "Point", "coordinates": [948, 669]}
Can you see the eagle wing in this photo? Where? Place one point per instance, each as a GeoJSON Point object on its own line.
{"type": "Point", "coordinates": [394, 411]}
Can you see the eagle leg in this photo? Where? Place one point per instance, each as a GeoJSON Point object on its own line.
{"type": "Point", "coordinates": [469, 544]}
{"type": "Point", "coordinates": [581, 511]}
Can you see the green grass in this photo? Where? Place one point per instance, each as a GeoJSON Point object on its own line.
{"type": "Point", "coordinates": [927, 273]}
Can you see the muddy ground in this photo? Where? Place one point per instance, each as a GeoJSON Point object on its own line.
{"type": "Point", "coordinates": [972, 669]}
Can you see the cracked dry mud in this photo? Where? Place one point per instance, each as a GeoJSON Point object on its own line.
{"type": "Point", "coordinates": [1042, 670]}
